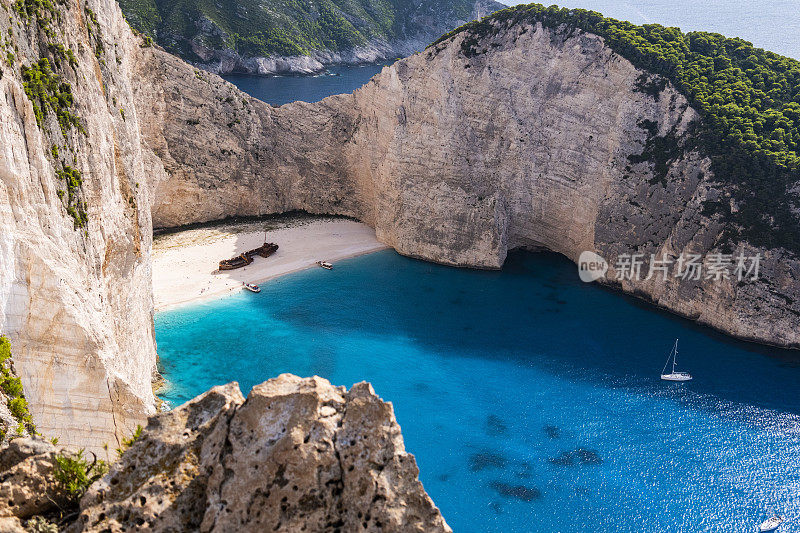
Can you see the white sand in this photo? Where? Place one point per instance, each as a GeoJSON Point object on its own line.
{"type": "Point", "coordinates": [185, 264]}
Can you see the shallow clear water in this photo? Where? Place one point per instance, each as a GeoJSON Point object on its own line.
{"type": "Point", "coordinates": [532, 401]}
{"type": "Point", "coordinates": [279, 90]}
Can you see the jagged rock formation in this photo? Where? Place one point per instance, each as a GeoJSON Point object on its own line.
{"type": "Point", "coordinates": [452, 157]}
{"type": "Point", "coordinates": [297, 455]}
{"type": "Point", "coordinates": [264, 37]}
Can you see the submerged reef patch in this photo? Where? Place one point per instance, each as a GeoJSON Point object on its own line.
{"type": "Point", "coordinates": [520, 492]}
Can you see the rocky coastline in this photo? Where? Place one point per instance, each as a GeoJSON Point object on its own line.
{"type": "Point", "coordinates": [226, 61]}
{"type": "Point", "coordinates": [539, 141]}
{"type": "Point", "coordinates": [297, 454]}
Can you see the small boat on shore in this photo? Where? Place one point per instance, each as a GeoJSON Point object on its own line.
{"type": "Point", "coordinates": [326, 265]}
{"type": "Point", "coordinates": [674, 376]}
{"type": "Point", "coordinates": [252, 287]}
{"type": "Point", "coordinates": [771, 524]}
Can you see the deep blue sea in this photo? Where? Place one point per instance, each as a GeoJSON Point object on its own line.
{"type": "Point", "coordinates": [279, 90]}
{"type": "Point", "coordinates": [532, 401]}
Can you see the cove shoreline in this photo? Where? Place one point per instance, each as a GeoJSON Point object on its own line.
{"type": "Point", "coordinates": [185, 262]}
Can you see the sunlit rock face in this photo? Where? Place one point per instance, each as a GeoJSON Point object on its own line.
{"type": "Point", "coordinates": [76, 303]}
{"type": "Point", "coordinates": [532, 143]}
{"type": "Point", "coordinates": [296, 455]}
{"type": "Point", "coordinates": [452, 157]}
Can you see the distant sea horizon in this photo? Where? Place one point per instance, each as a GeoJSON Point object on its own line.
{"type": "Point", "coordinates": [770, 24]}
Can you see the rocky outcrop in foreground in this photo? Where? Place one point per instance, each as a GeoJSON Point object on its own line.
{"type": "Point", "coordinates": [296, 455]}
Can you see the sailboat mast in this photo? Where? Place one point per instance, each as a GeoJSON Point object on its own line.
{"type": "Point", "coordinates": [675, 356]}
{"type": "Point", "coordinates": [674, 375]}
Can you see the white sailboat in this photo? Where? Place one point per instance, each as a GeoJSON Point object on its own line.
{"type": "Point", "coordinates": [772, 524]}
{"type": "Point", "coordinates": [674, 376]}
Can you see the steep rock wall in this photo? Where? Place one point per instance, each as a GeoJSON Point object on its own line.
{"type": "Point", "coordinates": [76, 303]}
{"type": "Point", "coordinates": [458, 159]}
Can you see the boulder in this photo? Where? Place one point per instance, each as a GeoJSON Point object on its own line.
{"type": "Point", "coordinates": [297, 455]}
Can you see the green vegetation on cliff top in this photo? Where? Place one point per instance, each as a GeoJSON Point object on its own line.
{"type": "Point", "coordinates": [748, 99]}
{"type": "Point", "coordinates": [256, 28]}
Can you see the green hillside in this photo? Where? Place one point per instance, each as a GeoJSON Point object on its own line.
{"type": "Point", "coordinates": [749, 100]}
{"type": "Point", "coordinates": [254, 28]}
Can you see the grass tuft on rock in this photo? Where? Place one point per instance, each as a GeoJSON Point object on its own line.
{"type": "Point", "coordinates": [74, 473]}
{"type": "Point", "coordinates": [129, 441]}
{"type": "Point", "coordinates": [11, 387]}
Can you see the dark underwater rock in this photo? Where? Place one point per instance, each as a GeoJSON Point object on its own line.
{"type": "Point", "coordinates": [495, 426]}
{"type": "Point", "coordinates": [483, 460]}
{"type": "Point", "coordinates": [520, 492]}
{"type": "Point", "coordinates": [583, 456]}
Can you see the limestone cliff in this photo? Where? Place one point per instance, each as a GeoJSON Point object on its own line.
{"type": "Point", "coordinates": [75, 286]}
{"type": "Point", "coordinates": [458, 159]}
{"type": "Point", "coordinates": [297, 455]}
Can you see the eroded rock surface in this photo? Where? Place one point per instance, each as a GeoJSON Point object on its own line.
{"type": "Point", "coordinates": [531, 144]}
{"type": "Point", "coordinates": [296, 455]}
{"type": "Point", "coordinates": [26, 478]}
{"type": "Point", "coordinates": [452, 157]}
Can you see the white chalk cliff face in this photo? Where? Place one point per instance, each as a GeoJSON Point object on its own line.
{"type": "Point", "coordinates": [452, 159]}
{"type": "Point", "coordinates": [459, 159]}
{"type": "Point", "coordinates": [76, 304]}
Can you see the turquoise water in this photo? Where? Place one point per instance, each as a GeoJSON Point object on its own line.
{"type": "Point", "coordinates": [531, 400]}
{"type": "Point", "coordinates": [279, 90]}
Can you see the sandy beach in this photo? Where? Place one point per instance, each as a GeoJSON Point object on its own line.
{"type": "Point", "coordinates": [185, 263]}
